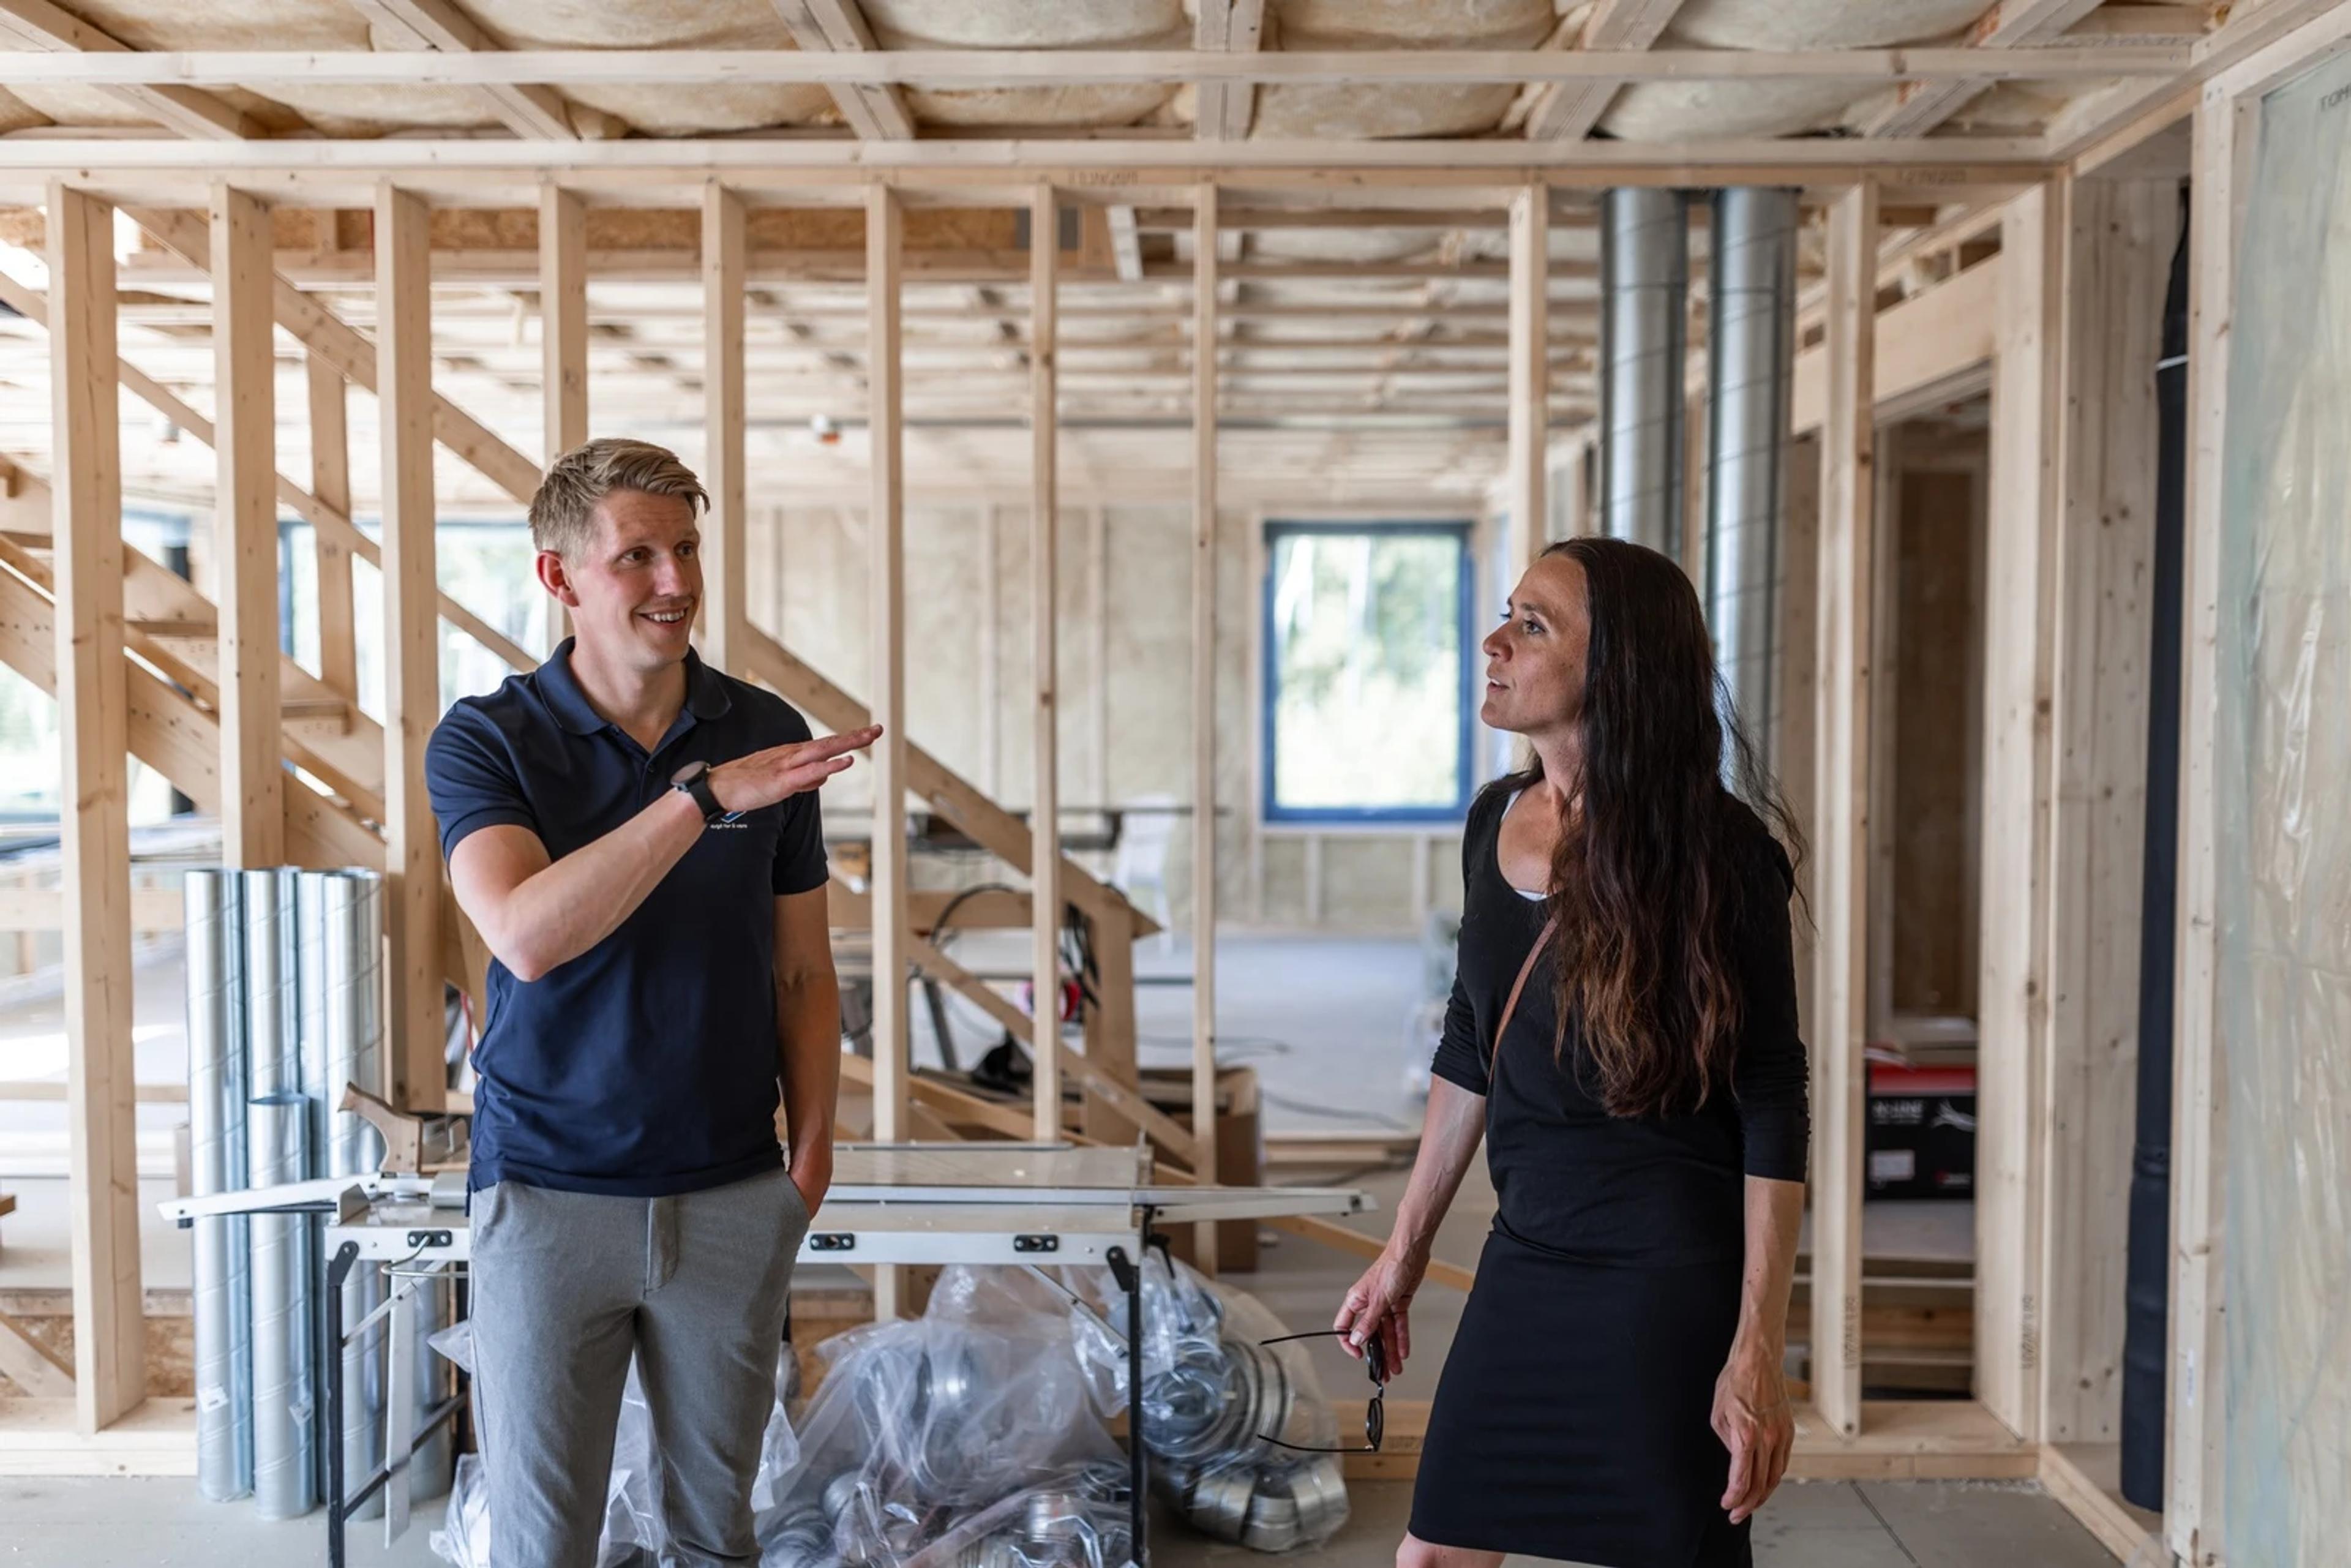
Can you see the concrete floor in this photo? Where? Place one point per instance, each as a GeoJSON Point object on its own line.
{"type": "Point", "coordinates": [1329, 1023]}
{"type": "Point", "coordinates": [1822, 1524]}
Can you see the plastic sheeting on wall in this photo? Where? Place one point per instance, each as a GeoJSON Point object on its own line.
{"type": "Point", "coordinates": [2283, 769]}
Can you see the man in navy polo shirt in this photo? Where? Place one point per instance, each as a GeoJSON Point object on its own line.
{"type": "Point", "coordinates": [635, 836]}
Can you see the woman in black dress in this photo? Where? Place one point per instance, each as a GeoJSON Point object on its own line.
{"type": "Point", "coordinates": [1615, 1394]}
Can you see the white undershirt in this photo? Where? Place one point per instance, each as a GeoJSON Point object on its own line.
{"type": "Point", "coordinates": [1522, 893]}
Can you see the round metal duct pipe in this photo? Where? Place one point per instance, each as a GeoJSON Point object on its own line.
{"type": "Point", "coordinates": [1644, 337]}
{"type": "Point", "coordinates": [1751, 355]}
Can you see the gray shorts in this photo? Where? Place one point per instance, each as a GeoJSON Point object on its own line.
{"type": "Point", "coordinates": [566, 1287]}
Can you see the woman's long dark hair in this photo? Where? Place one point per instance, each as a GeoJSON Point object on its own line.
{"type": "Point", "coordinates": [1647, 876]}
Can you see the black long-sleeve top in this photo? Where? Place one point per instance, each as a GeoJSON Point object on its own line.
{"type": "Point", "coordinates": [1573, 1179]}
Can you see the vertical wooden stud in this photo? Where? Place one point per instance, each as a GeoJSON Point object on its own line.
{"type": "Point", "coordinates": [991, 651]}
{"type": "Point", "coordinates": [1847, 543]}
{"type": "Point", "coordinates": [886, 530]}
{"type": "Point", "coordinates": [1204, 706]}
{"type": "Point", "coordinates": [2119, 245]}
{"type": "Point", "coordinates": [725, 624]}
{"type": "Point", "coordinates": [2223, 145]}
{"type": "Point", "coordinates": [563, 316]}
{"type": "Point", "coordinates": [330, 482]}
{"type": "Point", "coordinates": [1044, 516]}
{"type": "Point", "coordinates": [245, 530]}
{"type": "Point", "coordinates": [1530, 376]}
{"type": "Point", "coordinates": [2012, 1007]}
{"type": "Point", "coordinates": [93, 716]}
{"type": "Point", "coordinates": [563, 342]}
{"type": "Point", "coordinates": [411, 665]}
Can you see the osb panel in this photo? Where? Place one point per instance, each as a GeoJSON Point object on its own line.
{"type": "Point", "coordinates": [670, 228]}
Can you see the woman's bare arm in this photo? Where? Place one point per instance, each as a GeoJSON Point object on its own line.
{"type": "Point", "coordinates": [1381, 1301]}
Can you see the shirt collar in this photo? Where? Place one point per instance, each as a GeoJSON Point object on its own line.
{"type": "Point", "coordinates": [706, 692]}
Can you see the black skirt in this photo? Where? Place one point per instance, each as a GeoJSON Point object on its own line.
{"type": "Point", "coordinates": [1573, 1418]}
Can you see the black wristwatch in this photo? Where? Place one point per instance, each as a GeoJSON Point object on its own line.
{"type": "Point", "coordinates": [693, 780]}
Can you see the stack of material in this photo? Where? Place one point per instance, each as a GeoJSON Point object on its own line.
{"type": "Point", "coordinates": [284, 977]}
{"type": "Point", "coordinates": [1227, 1418]}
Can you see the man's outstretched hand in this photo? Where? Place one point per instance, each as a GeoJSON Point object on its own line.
{"type": "Point", "coordinates": [764, 777]}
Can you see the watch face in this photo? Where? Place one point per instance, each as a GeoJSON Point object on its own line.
{"type": "Point", "coordinates": [689, 773]}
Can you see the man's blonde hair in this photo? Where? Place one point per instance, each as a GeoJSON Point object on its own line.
{"type": "Point", "coordinates": [563, 513]}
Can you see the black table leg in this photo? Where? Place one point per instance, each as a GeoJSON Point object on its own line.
{"type": "Point", "coordinates": [1129, 1274]}
{"type": "Point", "coordinates": [338, 1269]}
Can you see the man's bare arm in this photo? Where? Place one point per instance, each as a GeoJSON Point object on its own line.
{"type": "Point", "coordinates": [808, 1035]}
{"type": "Point", "coordinates": [535, 913]}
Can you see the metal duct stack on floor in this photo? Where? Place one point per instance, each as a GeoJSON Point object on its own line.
{"type": "Point", "coordinates": [285, 977]}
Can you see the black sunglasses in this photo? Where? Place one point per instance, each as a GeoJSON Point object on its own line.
{"type": "Point", "coordinates": [1375, 1362]}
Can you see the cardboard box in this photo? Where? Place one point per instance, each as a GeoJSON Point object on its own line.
{"type": "Point", "coordinates": [1921, 1140]}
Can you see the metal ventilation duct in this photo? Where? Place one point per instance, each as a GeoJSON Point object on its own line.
{"type": "Point", "coordinates": [216, 1137]}
{"type": "Point", "coordinates": [1750, 353]}
{"type": "Point", "coordinates": [1643, 316]}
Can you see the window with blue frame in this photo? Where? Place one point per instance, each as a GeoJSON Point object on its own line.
{"type": "Point", "coordinates": [1368, 633]}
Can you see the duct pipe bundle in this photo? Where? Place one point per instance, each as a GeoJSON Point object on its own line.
{"type": "Point", "coordinates": [1644, 337]}
{"type": "Point", "coordinates": [278, 1146]}
{"type": "Point", "coordinates": [1751, 356]}
{"type": "Point", "coordinates": [216, 1097]}
{"type": "Point", "coordinates": [284, 977]}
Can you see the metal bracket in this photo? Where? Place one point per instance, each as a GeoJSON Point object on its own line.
{"type": "Point", "coordinates": [1036, 1243]}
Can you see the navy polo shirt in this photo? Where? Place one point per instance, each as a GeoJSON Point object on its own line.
{"type": "Point", "coordinates": [647, 1065]}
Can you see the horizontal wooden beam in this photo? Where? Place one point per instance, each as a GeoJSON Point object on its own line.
{"type": "Point", "coordinates": [837, 172]}
{"type": "Point", "coordinates": [1064, 67]}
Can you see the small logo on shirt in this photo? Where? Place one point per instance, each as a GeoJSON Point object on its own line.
{"type": "Point", "coordinates": [731, 819]}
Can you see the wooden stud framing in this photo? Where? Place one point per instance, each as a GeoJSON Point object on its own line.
{"type": "Point", "coordinates": [93, 715]}
{"type": "Point", "coordinates": [245, 531]}
{"type": "Point", "coordinates": [2196, 1467]}
{"type": "Point", "coordinates": [1222, 110]}
{"type": "Point", "coordinates": [563, 344]}
{"type": "Point", "coordinates": [991, 649]}
{"type": "Point", "coordinates": [1204, 708]}
{"type": "Point", "coordinates": [1922, 106]}
{"type": "Point", "coordinates": [2118, 248]}
{"type": "Point", "coordinates": [526, 108]}
{"type": "Point", "coordinates": [1044, 533]}
{"type": "Point", "coordinates": [330, 483]}
{"type": "Point", "coordinates": [886, 529]}
{"type": "Point", "coordinates": [2012, 988]}
{"type": "Point", "coordinates": [563, 316]}
{"type": "Point", "coordinates": [1530, 459]}
{"type": "Point", "coordinates": [877, 112]}
{"type": "Point", "coordinates": [39, 25]}
{"type": "Point", "coordinates": [1568, 111]}
{"type": "Point", "coordinates": [1847, 542]}
{"type": "Point", "coordinates": [412, 666]}
{"type": "Point", "coordinates": [724, 566]}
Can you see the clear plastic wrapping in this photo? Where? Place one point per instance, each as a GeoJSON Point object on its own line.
{"type": "Point", "coordinates": [1217, 1403]}
{"type": "Point", "coordinates": [979, 1435]}
{"type": "Point", "coordinates": [961, 1439]}
{"type": "Point", "coordinates": [2280, 759]}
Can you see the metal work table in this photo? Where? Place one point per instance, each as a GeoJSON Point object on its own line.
{"type": "Point", "coordinates": [1016, 1204]}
